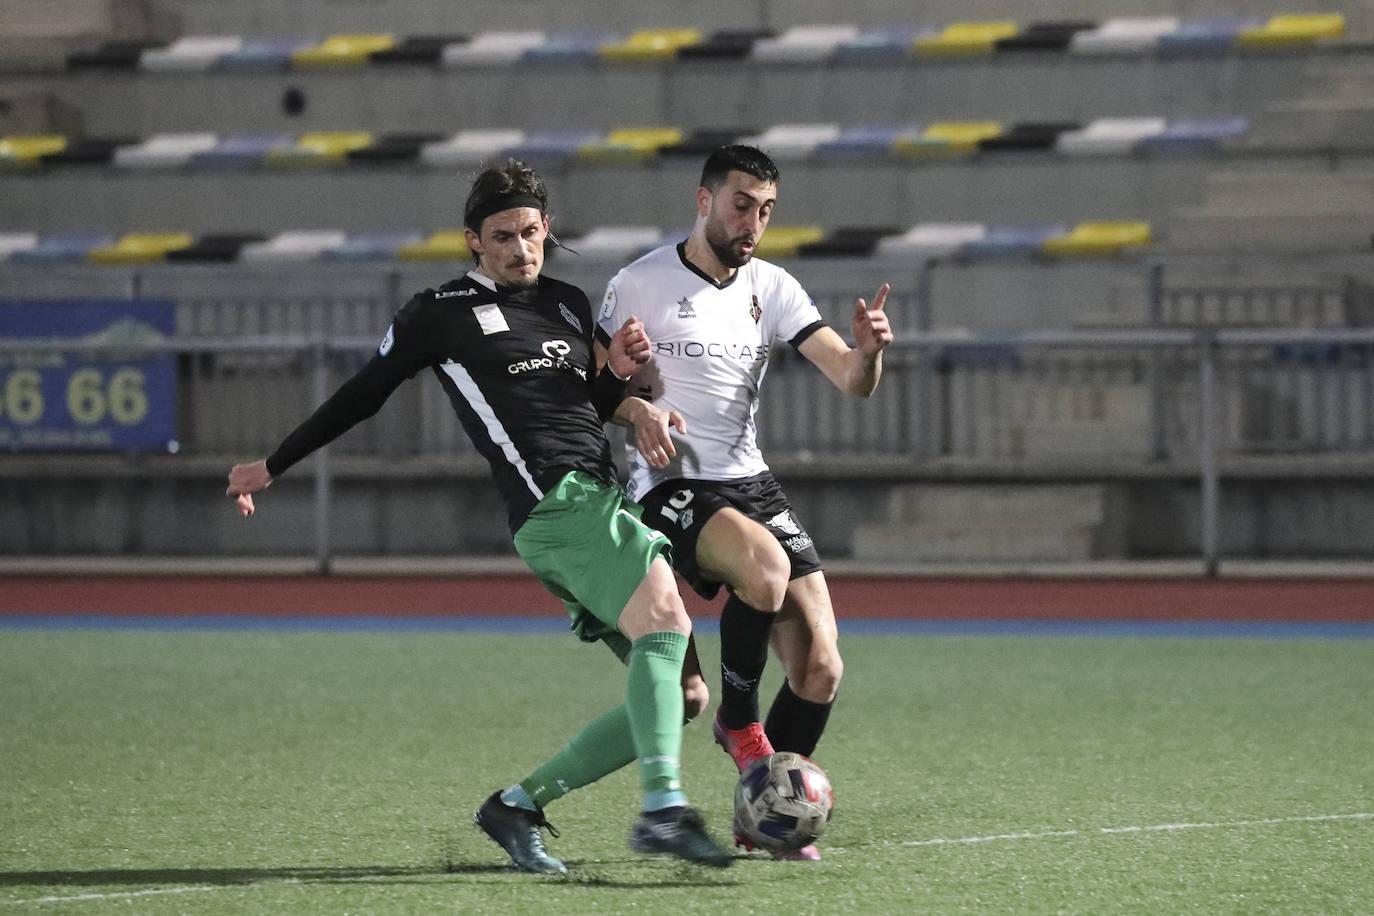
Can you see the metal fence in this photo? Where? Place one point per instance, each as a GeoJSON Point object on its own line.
{"type": "Point", "coordinates": [1084, 400]}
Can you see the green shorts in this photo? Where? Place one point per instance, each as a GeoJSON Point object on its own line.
{"type": "Point", "coordinates": [585, 542]}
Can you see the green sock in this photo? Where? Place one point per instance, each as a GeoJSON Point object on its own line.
{"type": "Point", "coordinates": [602, 747]}
{"type": "Point", "coordinates": [653, 699]}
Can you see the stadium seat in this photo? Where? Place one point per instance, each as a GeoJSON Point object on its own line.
{"type": "Point", "coordinates": [1027, 137]}
{"type": "Point", "coordinates": [470, 147]}
{"type": "Point", "coordinates": [569, 47]}
{"type": "Point", "coordinates": [416, 49]}
{"type": "Point", "coordinates": [241, 151]}
{"type": "Point", "coordinates": [791, 142]}
{"type": "Point", "coordinates": [651, 44]}
{"type": "Point", "coordinates": [803, 44]}
{"type": "Point", "coordinates": [961, 38]}
{"type": "Point", "coordinates": [932, 240]}
{"type": "Point", "coordinates": [164, 151]}
{"type": "Point", "coordinates": [492, 48]}
{"type": "Point", "coordinates": [846, 242]}
{"type": "Point", "coordinates": [1124, 35]}
{"type": "Point", "coordinates": [862, 141]}
{"type": "Point", "coordinates": [372, 246]}
{"type": "Point", "coordinates": [190, 54]}
{"type": "Point", "coordinates": [28, 152]}
{"type": "Point", "coordinates": [315, 149]}
{"type": "Point", "coordinates": [263, 54]}
{"type": "Point", "coordinates": [881, 45]}
{"type": "Point", "coordinates": [629, 144]}
{"type": "Point", "coordinates": [1207, 36]}
{"type": "Point", "coordinates": [72, 246]}
{"type": "Point", "coordinates": [112, 55]}
{"type": "Point", "coordinates": [554, 146]}
{"type": "Point", "coordinates": [1012, 240]}
{"type": "Point", "coordinates": [12, 242]}
{"type": "Point", "coordinates": [293, 246]}
{"type": "Point", "coordinates": [140, 248]}
{"type": "Point", "coordinates": [392, 148]}
{"type": "Point", "coordinates": [1109, 136]}
{"type": "Point", "coordinates": [220, 248]}
{"type": "Point", "coordinates": [726, 44]}
{"type": "Point", "coordinates": [945, 138]}
{"type": "Point", "coordinates": [703, 142]}
{"type": "Point", "coordinates": [445, 245]}
{"type": "Point", "coordinates": [621, 243]}
{"type": "Point", "coordinates": [87, 151]}
{"type": "Point", "coordinates": [341, 51]}
{"type": "Point", "coordinates": [1194, 134]}
{"type": "Point", "coordinates": [1043, 36]}
{"type": "Point", "coordinates": [786, 241]}
{"type": "Point", "coordinates": [1098, 239]}
{"type": "Point", "coordinates": [1292, 30]}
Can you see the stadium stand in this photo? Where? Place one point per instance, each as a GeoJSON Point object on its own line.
{"type": "Point", "coordinates": [298, 168]}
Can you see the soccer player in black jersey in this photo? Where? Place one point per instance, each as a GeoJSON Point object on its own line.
{"type": "Point", "coordinates": [515, 352]}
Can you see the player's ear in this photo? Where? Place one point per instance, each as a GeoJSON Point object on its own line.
{"type": "Point", "coordinates": [474, 243]}
{"type": "Point", "coordinates": [704, 196]}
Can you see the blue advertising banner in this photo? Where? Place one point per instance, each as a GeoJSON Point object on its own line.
{"type": "Point", "coordinates": [115, 400]}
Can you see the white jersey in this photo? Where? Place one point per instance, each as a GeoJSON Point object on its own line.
{"type": "Point", "coordinates": [710, 348]}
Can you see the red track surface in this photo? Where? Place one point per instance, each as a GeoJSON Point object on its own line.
{"type": "Point", "coordinates": [859, 597]}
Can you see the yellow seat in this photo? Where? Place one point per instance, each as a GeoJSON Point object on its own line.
{"type": "Point", "coordinates": [947, 138]}
{"type": "Point", "coordinates": [320, 148]}
{"type": "Point", "coordinates": [964, 38]}
{"type": "Point", "coordinates": [444, 245]}
{"type": "Point", "coordinates": [629, 144]}
{"type": "Point", "coordinates": [24, 152]}
{"type": "Point", "coordinates": [1098, 239]}
{"type": "Point", "coordinates": [784, 241]}
{"type": "Point", "coordinates": [1282, 31]}
{"type": "Point", "coordinates": [140, 248]}
{"type": "Point", "coordinates": [650, 44]}
{"type": "Point", "coordinates": [342, 51]}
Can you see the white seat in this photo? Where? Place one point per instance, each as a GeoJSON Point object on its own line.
{"type": "Point", "coordinates": [294, 246]}
{"type": "Point", "coordinates": [793, 141]}
{"type": "Point", "coordinates": [490, 48]}
{"type": "Point", "coordinates": [1124, 35]}
{"type": "Point", "coordinates": [618, 242]}
{"type": "Point", "coordinates": [933, 239]}
{"type": "Point", "coordinates": [190, 54]}
{"type": "Point", "coordinates": [1109, 136]}
{"type": "Point", "coordinates": [10, 242]}
{"type": "Point", "coordinates": [804, 44]}
{"type": "Point", "coordinates": [164, 151]}
{"type": "Point", "coordinates": [470, 147]}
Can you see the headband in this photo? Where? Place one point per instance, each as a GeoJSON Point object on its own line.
{"type": "Point", "coordinates": [473, 219]}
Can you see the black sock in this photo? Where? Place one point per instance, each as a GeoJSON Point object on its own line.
{"type": "Point", "coordinates": [795, 724]}
{"type": "Point", "coordinates": [743, 653]}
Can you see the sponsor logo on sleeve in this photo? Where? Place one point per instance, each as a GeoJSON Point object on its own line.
{"type": "Point", "coordinates": [388, 341]}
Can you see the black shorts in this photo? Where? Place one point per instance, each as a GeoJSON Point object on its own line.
{"type": "Point", "coordinates": [680, 508]}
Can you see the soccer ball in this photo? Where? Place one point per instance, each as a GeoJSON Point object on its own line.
{"type": "Point", "coordinates": [782, 802]}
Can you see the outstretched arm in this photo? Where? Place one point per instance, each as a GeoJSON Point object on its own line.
{"type": "Point", "coordinates": [854, 370]}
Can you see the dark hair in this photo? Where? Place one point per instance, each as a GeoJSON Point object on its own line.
{"type": "Point", "coordinates": [498, 188]}
{"type": "Point", "coordinates": [737, 158]}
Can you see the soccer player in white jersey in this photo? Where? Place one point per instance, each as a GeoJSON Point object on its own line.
{"type": "Point", "coordinates": [714, 313]}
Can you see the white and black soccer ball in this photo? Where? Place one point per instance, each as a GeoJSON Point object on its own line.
{"type": "Point", "coordinates": [783, 802]}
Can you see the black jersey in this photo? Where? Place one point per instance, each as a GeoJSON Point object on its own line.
{"type": "Point", "coordinates": [517, 365]}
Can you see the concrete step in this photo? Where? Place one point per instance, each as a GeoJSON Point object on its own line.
{"type": "Point", "coordinates": [896, 542]}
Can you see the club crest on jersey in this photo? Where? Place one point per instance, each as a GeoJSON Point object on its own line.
{"type": "Point", "coordinates": [684, 308]}
{"type": "Point", "coordinates": [569, 317]}
{"type": "Point", "coordinates": [755, 310]}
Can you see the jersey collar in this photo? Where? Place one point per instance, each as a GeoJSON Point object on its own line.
{"type": "Point", "coordinates": [682, 256]}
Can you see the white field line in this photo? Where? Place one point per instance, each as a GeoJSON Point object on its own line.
{"type": "Point", "coordinates": [1152, 828]}
{"type": "Point", "coordinates": [938, 841]}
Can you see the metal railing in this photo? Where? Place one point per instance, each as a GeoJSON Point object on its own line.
{"type": "Point", "coordinates": [1080, 400]}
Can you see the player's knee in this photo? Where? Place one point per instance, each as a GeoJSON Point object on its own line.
{"type": "Point", "coordinates": [763, 583]}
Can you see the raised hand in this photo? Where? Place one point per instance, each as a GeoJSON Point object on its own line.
{"type": "Point", "coordinates": [872, 332]}
{"type": "Point", "coordinates": [629, 348]}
